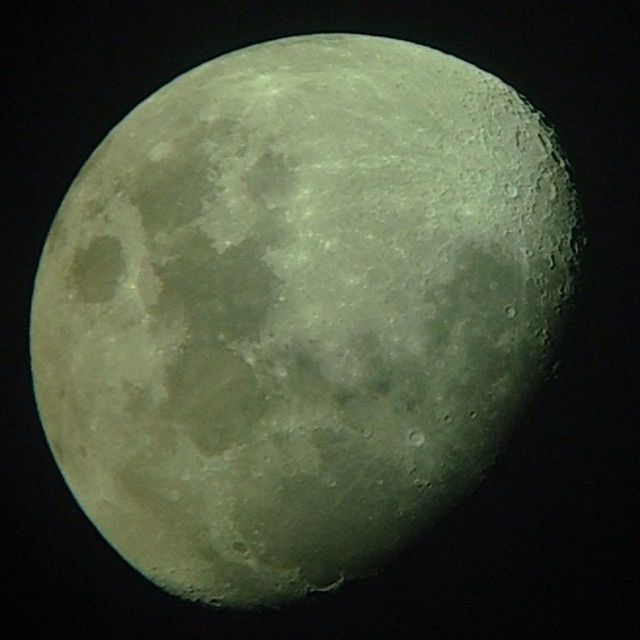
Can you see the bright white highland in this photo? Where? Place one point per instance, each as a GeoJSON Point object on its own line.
{"type": "Point", "coordinates": [291, 307]}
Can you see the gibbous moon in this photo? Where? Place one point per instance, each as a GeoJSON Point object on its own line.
{"type": "Point", "coordinates": [293, 305]}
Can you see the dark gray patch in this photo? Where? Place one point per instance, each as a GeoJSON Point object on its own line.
{"type": "Point", "coordinates": [139, 406]}
{"type": "Point", "coordinates": [342, 396]}
{"type": "Point", "coordinates": [143, 490]}
{"type": "Point", "coordinates": [169, 192]}
{"type": "Point", "coordinates": [95, 271]}
{"type": "Point", "coordinates": [138, 401]}
{"type": "Point", "coordinates": [380, 384]}
{"type": "Point", "coordinates": [306, 378]}
{"type": "Point", "coordinates": [240, 547]}
{"type": "Point", "coordinates": [270, 179]}
{"type": "Point", "coordinates": [214, 395]}
{"type": "Point", "coordinates": [388, 388]}
{"type": "Point", "coordinates": [379, 378]}
{"type": "Point", "coordinates": [272, 228]}
{"type": "Point", "coordinates": [224, 296]}
{"type": "Point", "coordinates": [221, 129]}
{"type": "Point", "coordinates": [213, 392]}
{"type": "Point", "coordinates": [485, 283]}
{"type": "Point", "coordinates": [328, 442]}
{"type": "Point", "coordinates": [374, 404]}
{"type": "Point", "coordinates": [226, 293]}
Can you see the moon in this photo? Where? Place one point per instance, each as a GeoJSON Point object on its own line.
{"type": "Point", "coordinates": [292, 307]}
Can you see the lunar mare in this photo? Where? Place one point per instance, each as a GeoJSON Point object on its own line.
{"type": "Point", "coordinates": [291, 308]}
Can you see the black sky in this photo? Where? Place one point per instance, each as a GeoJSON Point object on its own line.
{"type": "Point", "coordinates": [546, 548]}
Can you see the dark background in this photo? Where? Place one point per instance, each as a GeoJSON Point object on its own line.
{"type": "Point", "coordinates": [546, 547]}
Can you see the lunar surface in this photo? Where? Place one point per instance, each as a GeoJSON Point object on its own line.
{"type": "Point", "coordinates": [292, 306]}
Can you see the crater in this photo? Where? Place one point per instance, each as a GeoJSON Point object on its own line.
{"type": "Point", "coordinates": [96, 269]}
